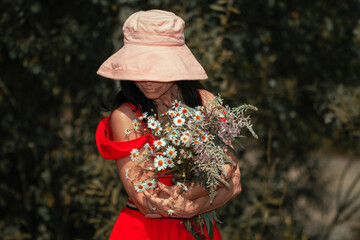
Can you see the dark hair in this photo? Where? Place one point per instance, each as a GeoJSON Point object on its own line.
{"type": "Point", "coordinates": [129, 92]}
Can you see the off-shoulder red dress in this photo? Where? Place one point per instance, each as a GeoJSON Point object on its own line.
{"type": "Point", "coordinates": [131, 224]}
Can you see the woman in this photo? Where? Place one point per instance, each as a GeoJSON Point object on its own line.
{"type": "Point", "coordinates": [155, 67]}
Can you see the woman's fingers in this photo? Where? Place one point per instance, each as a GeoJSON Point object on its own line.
{"type": "Point", "coordinates": [172, 191]}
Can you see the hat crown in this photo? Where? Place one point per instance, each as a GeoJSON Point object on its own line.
{"type": "Point", "coordinates": [154, 27]}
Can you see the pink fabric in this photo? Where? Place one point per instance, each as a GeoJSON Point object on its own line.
{"type": "Point", "coordinates": [154, 50]}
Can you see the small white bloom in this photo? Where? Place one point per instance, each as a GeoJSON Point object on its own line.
{"type": "Point", "coordinates": [171, 113]}
{"type": "Point", "coordinates": [148, 148]}
{"type": "Point", "coordinates": [140, 187]}
{"type": "Point", "coordinates": [134, 154]}
{"type": "Point", "coordinates": [159, 143]}
{"type": "Point", "coordinates": [168, 129]}
{"type": "Point", "coordinates": [182, 186]}
{"type": "Point", "coordinates": [143, 116]}
{"type": "Point", "coordinates": [184, 139]}
{"type": "Point", "coordinates": [179, 121]}
{"type": "Point", "coordinates": [160, 163]}
{"type": "Point", "coordinates": [153, 124]}
{"type": "Point", "coordinates": [170, 163]}
{"type": "Point", "coordinates": [135, 124]}
{"type": "Point", "coordinates": [170, 212]}
{"type": "Point", "coordinates": [171, 152]}
{"type": "Point", "coordinates": [150, 184]}
{"type": "Point", "coordinates": [127, 173]}
{"type": "Point", "coordinates": [196, 141]}
{"type": "Point", "coordinates": [189, 156]}
{"type": "Point", "coordinates": [157, 130]}
{"type": "Point", "coordinates": [176, 141]}
{"type": "Point", "coordinates": [175, 133]}
{"type": "Point", "coordinates": [176, 103]}
{"type": "Point", "coordinates": [198, 116]}
{"type": "Point", "coordinates": [184, 110]}
{"type": "Point", "coordinates": [183, 153]}
{"type": "Point", "coordinates": [200, 108]}
{"type": "Point", "coordinates": [127, 132]}
{"type": "Point", "coordinates": [204, 138]}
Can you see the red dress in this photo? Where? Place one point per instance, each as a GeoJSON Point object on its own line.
{"type": "Point", "coordinates": [131, 223]}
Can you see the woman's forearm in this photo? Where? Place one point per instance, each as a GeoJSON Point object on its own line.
{"type": "Point", "coordinates": [224, 195]}
{"type": "Point", "coordinates": [197, 191]}
{"type": "Point", "coordinates": [184, 208]}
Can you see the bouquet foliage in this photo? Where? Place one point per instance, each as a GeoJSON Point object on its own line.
{"type": "Point", "coordinates": [191, 145]}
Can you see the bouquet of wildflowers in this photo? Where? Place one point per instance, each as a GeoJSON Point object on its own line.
{"type": "Point", "coordinates": [191, 145]}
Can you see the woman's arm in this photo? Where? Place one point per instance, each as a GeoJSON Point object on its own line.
{"type": "Point", "coordinates": [184, 208]}
{"type": "Point", "coordinates": [120, 120]}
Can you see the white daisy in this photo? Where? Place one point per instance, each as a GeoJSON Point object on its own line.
{"type": "Point", "coordinates": [134, 154]}
{"type": "Point", "coordinates": [153, 124]}
{"type": "Point", "coordinates": [160, 163]}
{"type": "Point", "coordinates": [204, 138]}
{"type": "Point", "coordinates": [171, 152]}
{"type": "Point", "coordinates": [159, 143]}
{"type": "Point", "coordinates": [168, 129]}
{"type": "Point", "coordinates": [170, 163]}
{"type": "Point", "coordinates": [189, 156]}
{"type": "Point", "coordinates": [135, 124]}
{"type": "Point", "coordinates": [140, 187]}
{"type": "Point", "coordinates": [182, 186]}
{"type": "Point", "coordinates": [183, 153]}
{"type": "Point", "coordinates": [157, 130]}
{"type": "Point", "coordinates": [179, 121]}
{"type": "Point", "coordinates": [143, 116]}
{"type": "Point", "coordinates": [176, 103]}
{"type": "Point", "coordinates": [127, 132]}
{"type": "Point", "coordinates": [170, 212]}
{"type": "Point", "coordinates": [174, 133]}
{"type": "Point", "coordinates": [176, 141]}
{"type": "Point", "coordinates": [184, 111]}
{"type": "Point", "coordinates": [184, 139]}
{"type": "Point", "coordinates": [200, 108]}
{"type": "Point", "coordinates": [196, 141]}
{"type": "Point", "coordinates": [148, 148]}
{"type": "Point", "coordinates": [198, 116]}
{"type": "Point", "coordinates": [150, 184]}
{"type": "Point", "coordinates": [171, 113]}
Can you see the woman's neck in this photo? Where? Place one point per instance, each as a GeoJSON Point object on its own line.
{"type": "Point", "coordinates": [164, 102]}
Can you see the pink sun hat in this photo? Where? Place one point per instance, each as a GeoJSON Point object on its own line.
{"type": "Point", "coordinates": [154, 50]}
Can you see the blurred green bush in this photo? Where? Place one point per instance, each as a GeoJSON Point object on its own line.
{"type": "Point", "coordinates": [297, 61]}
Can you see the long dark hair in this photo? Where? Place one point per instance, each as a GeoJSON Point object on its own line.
{"type": "Point", "coordinates": [129, 92]}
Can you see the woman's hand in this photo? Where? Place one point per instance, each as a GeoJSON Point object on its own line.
{"type": "Point", "coordinates": [184, 208]}
{"type": "Point", "coordinates": [178, 207]}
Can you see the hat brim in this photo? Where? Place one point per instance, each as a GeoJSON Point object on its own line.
{"type": "Point", "coordinates": [152, 63]}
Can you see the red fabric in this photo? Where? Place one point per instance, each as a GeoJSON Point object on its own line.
{"type": "Point", "coordinates": [115, 150]}
{"type": "Point", "coordinates": [132, 225]}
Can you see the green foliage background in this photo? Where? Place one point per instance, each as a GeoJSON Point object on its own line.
{"type": "Point", "coordinates": [297, 61]}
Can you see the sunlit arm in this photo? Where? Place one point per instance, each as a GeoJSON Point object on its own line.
{"type": "Point", "coordinates": [185, 208]}
{"type": "Point", "coordinates": [120, 120]}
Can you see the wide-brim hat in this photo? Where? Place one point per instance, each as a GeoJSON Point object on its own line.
{"type": "Point", "coordinates": [154, 50]}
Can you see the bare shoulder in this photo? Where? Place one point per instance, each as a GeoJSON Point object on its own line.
{"type": "Point", "coordinates": [120, 121]}
{"type": "Point", "coordinates": [206, 96]}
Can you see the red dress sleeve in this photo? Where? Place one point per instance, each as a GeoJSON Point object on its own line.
{"type": "Point", "coordinates": [115, 150]}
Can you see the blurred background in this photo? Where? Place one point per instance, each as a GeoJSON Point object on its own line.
{"type": "Point", "coordinates": [297, 61]}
